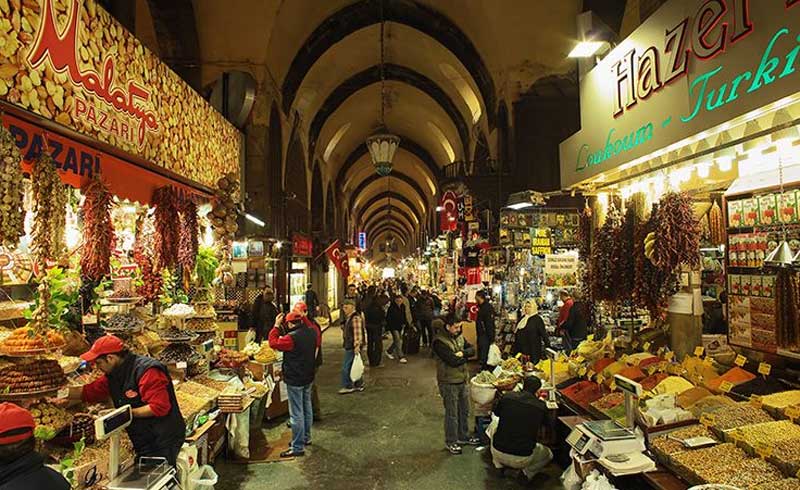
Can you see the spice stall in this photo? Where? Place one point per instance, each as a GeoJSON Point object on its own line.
{"type": "Point", "coordinates": [691, 170]}
{"type": "Point", "coordinates": [124, 223]}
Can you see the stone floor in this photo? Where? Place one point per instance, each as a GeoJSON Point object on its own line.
{"type": "Point", "coordinates": [388, 437]}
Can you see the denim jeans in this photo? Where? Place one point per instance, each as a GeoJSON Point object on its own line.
{"type": "Point", "coordinates": [456, 412]}
{"type": "Point", "coordinates": [374, 344]}
{"type": "Point", "coordinates": [349, 355]}
{"type": "Point", "coordinates": [302, 416]}
{"type": "Point", "coordinates": [395, 348]}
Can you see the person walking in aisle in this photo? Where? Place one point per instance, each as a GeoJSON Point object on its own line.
{"type": "Point", "coordinates": [312, 302]}
{"type": "Point", "coordinates": [452, 352]}
{"type": "Point", "coordinates": [531, 336]}
{"type": "Point", "coordinates": [263, 314]}
{"type": "Point", "coordinates": [374, 317]}
{"type": "Point", "coordinates": [576, 328]}
{"type": "Point", "coordinates": [484, 327]}
{"type": "Point", "coordinates": [396, 321]}
{"type": "Point", "coordinates": [352, 340]}
{"type": "Point", "coordinates": [425, 317]}
{"type": "Point", "coordinates": [299, 344]}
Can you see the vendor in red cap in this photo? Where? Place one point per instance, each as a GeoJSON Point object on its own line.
{"type": "Point", "coordinates": [301, 308]}
{"type": "Point", "coordinates": [143, 383]}
{"type": "Point", "coordinates": [22, 468]}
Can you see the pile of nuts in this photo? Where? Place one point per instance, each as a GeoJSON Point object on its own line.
{"type": "Point", "coordinates": [781, 400]}
{"type": "Point", "coordinates": [741, 474]}
{"type": "Point", "coordinates": [785, 484]}
{"type": "Point", "coordinates": [31, 376]}
{"type": "Point", "coordinates": [740, 415]}
{"type": "Point", "coordinates": [716, 456]}
{"type": "Point", "coordinates": [767, 433]}
{"type": "Point", "coordinates": [787, 453]}
{"type": "Point", "coordinates": [667, 445]}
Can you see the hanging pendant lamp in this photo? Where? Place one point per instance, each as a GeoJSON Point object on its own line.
{"type": "Point", "coordinates": [782, 255]}
{"type": "Point", "coordinates": [382, 145]}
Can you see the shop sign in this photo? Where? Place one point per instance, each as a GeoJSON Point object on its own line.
{"type": "Point", "coordinates": [561, 270]}
{"type": "Point", "coordinates": [302, 246]}
{"type": "Point", "coordinates": [541, 243]}
{"type": "Point", "coordinates": [362, 240]}
{"type": "Point", "coordinates": [76, 65]}
{"type": "Point", "coordinates": [691, 66]}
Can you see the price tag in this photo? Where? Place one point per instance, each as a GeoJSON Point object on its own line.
{"type": "Point", "coordinates": [698, 351]}
{"type": "Point", "coordinates": [764, 368]}
{"type": "Point", "coordinates": [726, 386]}
{"type": "Point", "coordinates": [669, 356]}
{"type": "Point", "coordinates": [764, 450]}
{"type": "Point", "coordinates": [63, 393]}
{"type": "Point", "coordinates": [600, 379]}
{"type": "Point", "coordinates": [662, 366]}
{"type": "Point", "coordinates": [613, 385]}
{"type": "Point", "coordinates": [735, 436]}
{"type": "Point", "coordinates": [646, 346]}
{"type": "Point", "coordinates": [756, 401]}
{"type": "Point", "coordinates": [624, 358]}
{"type": "Point", "coordinates": [741, 360]}
{"type": "Point", "coordinates": [580, 359]}
{"type": "Point", "coordinates": [792, 412]}
{"type": "Point", "coordinates": [181, 365]}
{"type": "Point", "coordinates": [707, 361]}
{"type": "Point", "coordinates": [708, 419]}
{"type": "Point", "coordinates": [590, 374]}
{"type": "Point", "coordinates": [582, 371]}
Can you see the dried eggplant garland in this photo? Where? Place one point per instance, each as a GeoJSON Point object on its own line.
{"type": "Point", "coordinates": [716, 224]}
{"type": "Point", "coordinates": [585, 233]}
{"type": "Point", "coordinates": [165, 200]}
{"type": "Point", "coordinates": [602, 259]}
{"type": "Point", "coordinates": [143, 251]}
{"type": "Point", "coordinates": [188, 243]}
{"type": "Point", "coordinates": [12, 212]}
{"type": "Point", "coordinates": [677, 233]}
{"type": "Point", "coordinates": [50, 210]}
{"type": "Point", "coordinates": [622, 255]}
{"type": "Point", "coordinates": [98, 231]}
{"type": "Point", "coordinates": [786, 304]}
{"type": "Point", "coordinates": [652, 286]}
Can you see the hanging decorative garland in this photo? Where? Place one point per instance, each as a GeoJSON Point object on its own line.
{"type": "Point", "coordinates": [50, 210]}
{"type": "Point", "coordinates": [98, 231]}
{"type": "Point", "coordinates": [187, 247]}
{"type": "Point", "coordinates": [12, 213]}
{"type": "Point", "coordinates": [167, 235]}
{"type": "Point", "coordinates": [677, 233]}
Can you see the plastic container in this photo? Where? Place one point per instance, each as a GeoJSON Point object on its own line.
{"type": "Point", "coordinates": [482, 394]}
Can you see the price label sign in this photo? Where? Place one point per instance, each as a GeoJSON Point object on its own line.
{"type": "Point", "coordinates": [580, 359]}
{"type": "Point", "coordinates": [708, 361]}
{"type": "Point", "coordinates": [741, 360]}
{"type": "Point", "coordinates": [181, 365]}
{"type": "Point", "coordinates": [600, 379]}
{"type": "Point", "coordinates": [582, 371]}
{"type": "Point", "coordinates": [646, 346]}
{"type": "Point", "coordinates": [756, 401]}
{"type": "Point", "coordinates": [726, 386]}
{"type": "Point", "coordinates": [590, 374]}
{"type": "Point", "coordinates": [764, 368]}
{"type": "Point", "coordinates": [764, 450]}
{"type": "Point", "coordinates": [698, 351]}
{"type": "Point", "coordinates": [613, 385]}
{"type": "Point", "coordinates": [669, 356]}
{"type": "Point", "coordinates": [793, 412]}
{"type": "Point", "coordinates": [708, 419]}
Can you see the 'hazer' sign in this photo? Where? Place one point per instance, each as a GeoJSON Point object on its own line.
{"type": "Point", "coordinates": [67, 156]}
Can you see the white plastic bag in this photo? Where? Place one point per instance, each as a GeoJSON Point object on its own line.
{"type": "Point", "coordinates": [482, 394]}
{"type": "Point", "coordinates": [357, 371]}
{"type": "Point", "coordinates": [570, 479]}
{"type": "Point", "coordinates": [207, 479]}
{"type": "Point", "coordinates": [495, 357]}
{"type": "Point", "coordinates": [239, 433]}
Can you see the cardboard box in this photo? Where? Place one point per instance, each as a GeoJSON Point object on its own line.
{"type": "Point", "coordinates": [768, 210]}
{"type": "Point", "coordinates": [787, 207]}
{"type": "Point", "coordinates": [735, 217]}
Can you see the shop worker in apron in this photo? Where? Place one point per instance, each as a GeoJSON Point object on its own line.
{"type": "Point", "coordinates": [143, 383]}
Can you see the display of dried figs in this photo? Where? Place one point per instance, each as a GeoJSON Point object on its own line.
{"type": "Point", "coordinates": [174, 353]}
{"type": "Point", "coordinates": [12, 213]}
{"type": "Point", "coordinates": [124, 321]}
{"type": "Point", "coordinates": [50, 210]}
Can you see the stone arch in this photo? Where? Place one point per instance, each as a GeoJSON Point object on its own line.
{"type": "Point", "coordinates": [296, 185]}
{"type": "Point", "coordinates": [317, 202]}
{"type": "Point", "coordinates": [504, 158]}
{"type": "Point", "coordinates": [481, 157]}
{"type": "Point", "coordinates": [330, 213]}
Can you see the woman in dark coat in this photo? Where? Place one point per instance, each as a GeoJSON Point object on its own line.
{"type": "Point", "coordinates": [531, 338]}
{"type": "Point", "coordinates": [396, 321]}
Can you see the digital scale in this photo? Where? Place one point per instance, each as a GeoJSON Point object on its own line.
{"type": "Point", "coordinates": [620, 449]}
{"type": "Point", "coordinates": [147, 473]}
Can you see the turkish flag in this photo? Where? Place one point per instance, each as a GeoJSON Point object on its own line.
{"type": "Point", "coordinates": [339, 258]}
{"type": "Point", "coordinates": [448, 217]}
{"type": "Point", "coordinates": [472, 309]}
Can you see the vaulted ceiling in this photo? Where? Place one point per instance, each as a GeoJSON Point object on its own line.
{"type": "Point", "coordinates": [448, 65]}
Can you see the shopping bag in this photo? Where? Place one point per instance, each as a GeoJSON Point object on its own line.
{"type": "Point", "coordinates": [411, 341]}
{"type": "Point", "coordinates": [495, 357]}
{"type": "Point", "coordinates": [357, 371]}
{"type": "Point", "coordinates": [208, 478]}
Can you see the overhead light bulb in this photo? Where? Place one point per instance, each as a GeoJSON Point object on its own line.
{"type": "Point", "coordinates": [703, 170]}
{"type": "Point", "coordinates": [724, 164]}
{"type": "Point", "coordinates": [585, 49]}
{"type": "Point", "coordinates": [255, 220]}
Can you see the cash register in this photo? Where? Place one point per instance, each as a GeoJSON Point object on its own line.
{"type": "Point", "coordinates": [619, 448]}
{"type": "Point", "coordinates": [146, 473]}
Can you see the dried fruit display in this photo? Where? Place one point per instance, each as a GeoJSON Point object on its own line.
{"type": "Point", "coordinates": [224, 216]}
{"type": "Point", "coordinates": [174, 353]}
{"type": "Point", "coordinates": [602, 258]}
{"type": "Point", "coordinates": [188, 243]}
{"type": "Point", "coordinates": [740, 415]}
{"type": "Point", "coordinates": [49, 419]}
{"type": "Point", "coordinates": [175, 334]}
{"type": "Point", "coordinates": [12, 213]}
{"type": "Point", "coordinates": [585, 233]}
{"type": "Point", "coordinates": [677, 233]}
{"type": "Point", "coordinates": [98, 231]}
{"type": "Point", "coordinates": [266, 355]}
{"type": "Point", "coordinates": [143, 251]}
{"type": "Point", "coordinates": [201, 324]}
{"type": "Point", "coordinates": [50, 210]}
{"type": "Point", "coordinates": [232, 359]}
{"type": "Point", "coordinates": [198, 390]}
{"type": "Point", "coordinates": [609, 401]}
{"type": "Point", "coordinates": [190, 405]}
{"type": "Point", "coordinates": [82, 427]}
{"type": "Point", "coordinates": [124, 322]}
{"type": "Point", "coordinates": [652, 286]}
{"type": "Point", "coordinates": [211, 383]}
{"type": "Point", "coordinates": [716, 225]}
{"type": "Point", "coordinates": [31, 376]}
{"type": "Point", "coordinates": [167, 234]}
{"type": "Point", "coordinates": [204, 310]}
{"type": "Point", "coordinates": [26, 340]}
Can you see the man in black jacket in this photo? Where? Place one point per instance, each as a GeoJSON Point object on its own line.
{"type": "Point", "coordinates": [514, 436]}
{"type": "Point", "coordinates": [299, 344]}
{"type": "Point", "coordinates": [484, 327]}
{"type": "Point", "coordinates": [264, 313]}
{"type": "Point", "coordinates": [577, 325]}
{"type": "Point", "coordinates": [21, 467]}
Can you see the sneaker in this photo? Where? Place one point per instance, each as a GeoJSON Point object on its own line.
{"type": "Point", "coordinates": [403, 360]}
{"type": "Point", "coordinates": [454, 448]}
{"type": "Point", "coordinates": [390, 356]}
{"type": "Point", "coordinates": [472, 441]}
{"type": "Point", "coordinates": [346, 391]}
{"type": "Point", "coordinates": [291, 454]}
{"type": "Point", "coordinates": [360, 388]}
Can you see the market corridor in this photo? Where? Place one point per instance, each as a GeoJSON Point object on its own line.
{"type": "Point", "coordinates": [388, 437]}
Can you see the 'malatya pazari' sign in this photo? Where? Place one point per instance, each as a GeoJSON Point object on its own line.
{"type": "Point", "coordinates": [691, 66]}
{"type": "Point", "coordinates": [70, 61]}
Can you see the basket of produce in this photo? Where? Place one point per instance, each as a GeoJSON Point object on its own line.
{"type": "Point", "coordinates": [511, 365]}
{"type": "Point", "coordinates": [25, 341]}
{"type": "Point", "coordinates": [49, 419]}
{"type": "Point", "coordinates": [82, 427]}
{"type": "Point", "coordinates": [178, 311]}
{"type": "Point", "coordinates": [124, 323]}
{"type": "Point", "coordinates": [30, 378]}
{"type": "Point", "coordinates": [482, 389]}
{"type": "Point", "coordinates": [507, 382]}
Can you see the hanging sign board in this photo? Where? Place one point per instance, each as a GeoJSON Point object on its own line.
{"type": "Point", "coordinates": [71, 62]}
{"type": "Point", "coordinates": [541, 241]}
{"type": "Point", "coordinates": [691, 66]}
{"type": "Point", "coordinates": [362, 240]}
{"type": "Point", "coordinates": [561, 270]}
{"type": "Point", "coordinates": [302, 246]}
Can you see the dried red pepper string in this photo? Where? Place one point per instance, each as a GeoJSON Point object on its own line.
{"type": "Point", "coordinates": [167, 228]}
{"type": "Point", "coordinates": [98, 231]}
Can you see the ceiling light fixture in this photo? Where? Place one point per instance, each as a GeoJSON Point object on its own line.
{"type": "Point", "coordinates": [382, 145]}
{"type": "Point", "coordinates": [255, 220]}
{"type": "Point", "coordinates": [585, 49]}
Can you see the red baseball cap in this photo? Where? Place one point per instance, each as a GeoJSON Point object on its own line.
{"type": "Point", "coordinates": [301, 307]}
{"type": "Point", "coordinates": [107, 344]}
{"type": "Point", "coordinates": [294, 316]}
{"type": "Point", "coordinates": [16, 420]}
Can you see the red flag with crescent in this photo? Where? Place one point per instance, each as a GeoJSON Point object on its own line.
{"type": "Point", "coordinates": [338, 257]}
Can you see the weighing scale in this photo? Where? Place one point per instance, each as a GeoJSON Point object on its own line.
{"type": "Point", "coordinates": [620, 449]}
{"type": "Point", "coordinates": [147, 474]}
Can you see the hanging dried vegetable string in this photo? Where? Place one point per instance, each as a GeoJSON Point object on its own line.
{"type": "Point", "coordinates": [716, 224]}
{"type": "Point", "coordinates": [677, 233]}
{"type": "Point", "coordinates": [585, 233]}
{"type": "Point", "coordinates": [165, 201]}
{"type": "Point", "coordinates": [786, 294]}
{"type": "Point", "coordinates": [187, 247]}
{"type": "Point", "coordinates": [622, 256]}
{"type": "Point", "coordinates": [12, 212]}
{"type": "Point", "coordinates": [98, 231]}
{"type": "Point", "coordinates": [652, 286]}
{"type": "Point", "coordinates": [602, 259]}
{"type": "Point", "coordinates": [50, 210]}
{"type": "Point", "coordinates": [143, 250]}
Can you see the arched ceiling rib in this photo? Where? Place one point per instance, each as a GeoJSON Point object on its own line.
{"type": "Point", "coordinates": [408, 110]}
{"type": "Point", "coordinates": [394, 73]}
{"type": "Point", "coordinates": [411, 213]}
{"type": "Point", "coordinates": [354, 17]}
{"type": "Point", "coordinates": [396, 223]}
{"type": "Point", "coordinates": [426, 187]}
{"type": "Point", "coordinates": [375, 178]}
{"type": "Point", "coordinates": [382, 213]}
{"type": "Point", "coordinates": [387, 231]}
{"type": "Point", "coordinates": [382, 228]}
{"type": "Point", "coordinates": [359, 158]}
{"type": "Point", "coordinates": [400, 191]}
